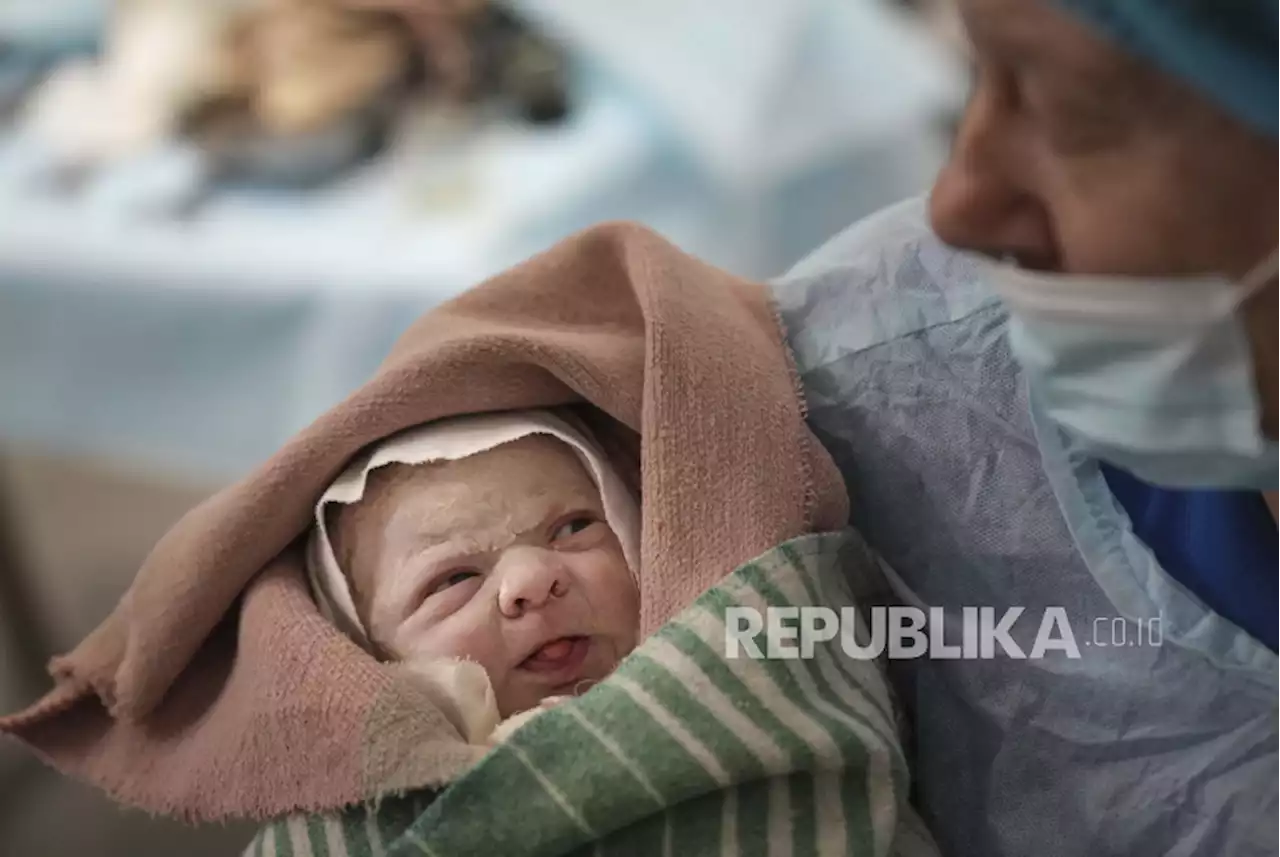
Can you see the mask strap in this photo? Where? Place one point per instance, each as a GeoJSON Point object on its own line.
{"type": "Point", "coordinates": [1261, 274]}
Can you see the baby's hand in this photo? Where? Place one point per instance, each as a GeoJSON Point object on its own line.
{"type": "Point", "coordinates": [552, 701]}
{"type": "Point", "coordinates": [507, 727]}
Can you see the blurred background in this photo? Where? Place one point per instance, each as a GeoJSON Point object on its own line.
{"type": "Point", "coordinates": [217, 215]}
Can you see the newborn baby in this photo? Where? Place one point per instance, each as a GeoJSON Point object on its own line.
{"type": "Point", "coordinates": [505, 557]}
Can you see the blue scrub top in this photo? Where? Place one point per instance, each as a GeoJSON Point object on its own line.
{"type": "Point", "coordinates": [1220, 545]}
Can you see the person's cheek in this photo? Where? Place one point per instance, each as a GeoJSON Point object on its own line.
{"type": "Point", "coordinates": [1099, 235]}
{"type": "Point", "coordinates": [1121, 209]}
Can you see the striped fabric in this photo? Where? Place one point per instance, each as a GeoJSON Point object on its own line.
{"type": "Point", "coordinates": [682, 751]}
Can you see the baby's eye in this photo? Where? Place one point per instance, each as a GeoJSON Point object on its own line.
{"type": "Point", "coordinates": [573, 526]}
{"type": "Point", "coordinates": [453, 578]}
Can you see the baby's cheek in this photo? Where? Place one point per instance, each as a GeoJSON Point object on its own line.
{"type": "Point", "coordinates": [456, 636]}
{"type": "Point", "coordinates": [610, 589]}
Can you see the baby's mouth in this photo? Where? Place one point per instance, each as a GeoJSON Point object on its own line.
{"type": "Point", "coordinates": [562, 655]}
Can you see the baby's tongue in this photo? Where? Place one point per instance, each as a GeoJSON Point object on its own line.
{"type": "Point", "coordinates": [552, 653]}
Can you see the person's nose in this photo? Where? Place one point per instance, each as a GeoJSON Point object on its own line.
{"type": "Point", "coordinates": [529, 578]}
{"type": "Point", "coordinates": [982, 200]}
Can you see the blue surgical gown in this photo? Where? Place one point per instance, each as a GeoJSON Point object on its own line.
{"type": "Point", "coordinates": [1160, 737]}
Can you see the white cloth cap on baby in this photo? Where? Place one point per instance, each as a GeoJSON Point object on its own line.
{"type": "Point", "coordinates": [450, 440]}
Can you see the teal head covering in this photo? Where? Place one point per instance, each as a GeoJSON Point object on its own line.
{"type": "Point", "coordinates": [1224, 48]}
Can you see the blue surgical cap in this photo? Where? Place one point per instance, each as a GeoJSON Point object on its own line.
{"type": "Point", "coordinates": [1224, 48]}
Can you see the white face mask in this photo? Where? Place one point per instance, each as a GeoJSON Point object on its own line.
{"type": "Point", "coordinates": [1154, 375]}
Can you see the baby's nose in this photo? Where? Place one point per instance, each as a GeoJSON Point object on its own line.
{"type": "Point", "coordinates": [529, 578]}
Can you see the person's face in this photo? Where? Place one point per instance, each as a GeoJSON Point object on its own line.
{"type": "Point", "coordinates": [1073, 157]}
{"type": "Point", "coordinates": [505, 559]}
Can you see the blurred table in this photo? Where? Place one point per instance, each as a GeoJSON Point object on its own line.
{"type": "Point", "coordinates": [200, 345]}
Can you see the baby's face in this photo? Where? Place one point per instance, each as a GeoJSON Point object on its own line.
{"type": "Point", "coordinates": [503, 558]}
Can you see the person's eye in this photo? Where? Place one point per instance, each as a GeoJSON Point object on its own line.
{"type": "Point", "coordinates": [570, 527]}
{"type": "Point", "coordinates": [1082, 138]}
{"type": "Point", "coordinates": [452, 578]}
{"type": "Point", "coordinates": [1075, 122]}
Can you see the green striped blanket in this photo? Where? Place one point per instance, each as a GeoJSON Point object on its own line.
{"type": "Point", "coordinates": [682, 751]}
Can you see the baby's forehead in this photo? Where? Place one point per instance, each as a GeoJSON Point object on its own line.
{"type": "Point", "coordinates": [515, 478]}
